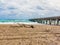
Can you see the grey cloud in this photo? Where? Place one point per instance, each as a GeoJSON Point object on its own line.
{"type": "Point", "coordinates": [39, 8]}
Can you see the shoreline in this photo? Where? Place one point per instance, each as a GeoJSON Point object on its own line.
{"type": "Point", "coordinates": [33, 23]}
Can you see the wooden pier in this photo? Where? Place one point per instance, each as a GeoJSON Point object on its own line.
{"type": "Point", "coordinates": [48, 20]}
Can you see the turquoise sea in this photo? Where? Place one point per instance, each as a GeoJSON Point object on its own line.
{"type": "Point", "coordinates": [15, 20]}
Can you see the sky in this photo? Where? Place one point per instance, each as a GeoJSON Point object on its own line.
{"type": "Point", "coordinates": [26, 9]}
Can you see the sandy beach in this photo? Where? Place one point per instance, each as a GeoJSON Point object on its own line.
{"type": "Point", "coordinates": [20, 34]}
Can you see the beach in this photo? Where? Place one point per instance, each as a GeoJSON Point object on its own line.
{"type": "Point", "coordinates": [25, 34]}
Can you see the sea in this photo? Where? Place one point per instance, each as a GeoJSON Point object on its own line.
{"type": "Point", "coordinates": [15, 21]}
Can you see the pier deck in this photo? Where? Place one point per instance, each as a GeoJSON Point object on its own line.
{"type": "Point", "coordinates": [48, 20]}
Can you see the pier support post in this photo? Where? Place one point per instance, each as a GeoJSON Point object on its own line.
{"type": "Point", "coordinates": [42, 21]}
{"type": "Point", "coordinates": [54, 22]}
{"type": "Point", "coordinates": [57, 21]}
{"type": "Point", "coordinates": [46, 21]}
{"type": "Point", "coordinates": [50, 21]}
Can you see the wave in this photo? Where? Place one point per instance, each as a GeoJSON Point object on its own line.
{"type": "Point", "coordinates": [18, 23]}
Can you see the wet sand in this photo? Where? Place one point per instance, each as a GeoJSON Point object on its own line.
{"type": "Point", "coordinates": [18, 34]}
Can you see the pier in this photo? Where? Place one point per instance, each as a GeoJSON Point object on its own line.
{"type": "Point", "coordinates": [48, 20]}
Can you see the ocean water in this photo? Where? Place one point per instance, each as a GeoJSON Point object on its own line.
{"type": "Point", "coordinates": [14, 21]}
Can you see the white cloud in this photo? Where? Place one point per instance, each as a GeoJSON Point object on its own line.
{"type": "Point", "coordinates": [30, 7]}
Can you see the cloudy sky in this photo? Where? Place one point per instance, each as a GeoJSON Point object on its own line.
{"type": "Point", "coordinates": [25, 9]}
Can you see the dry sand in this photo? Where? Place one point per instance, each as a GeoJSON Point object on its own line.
{"type": "Point", "coordinates": [20, 35]}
